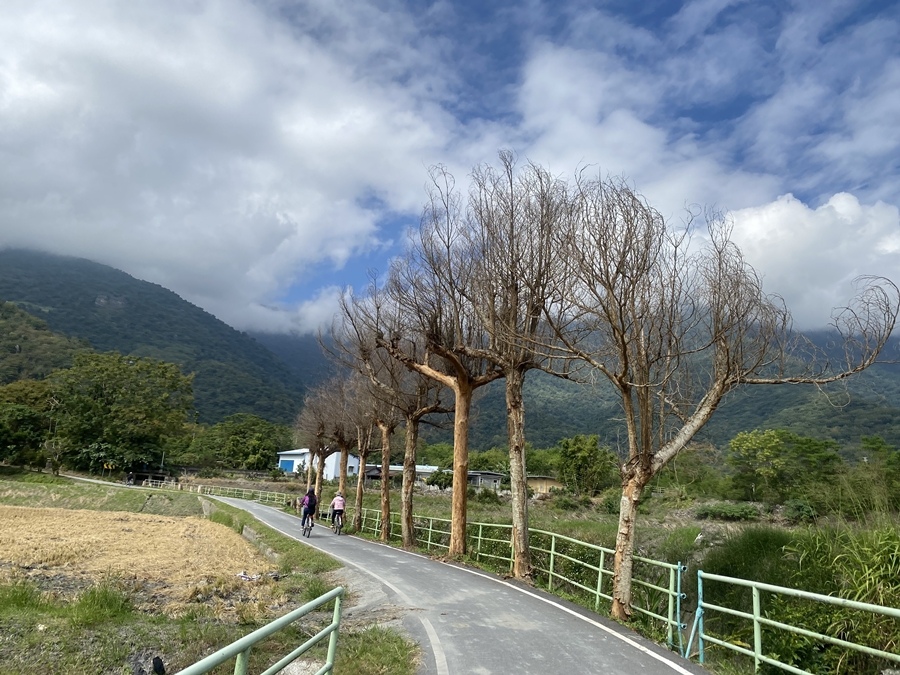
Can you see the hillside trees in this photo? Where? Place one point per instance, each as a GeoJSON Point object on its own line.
{"type": "Point", "coordinates": [585, 467]}
{"type": "Point", "coordinates": [240, 441]}
{"type": "Point", "coordinates": [118, 409]}
{"type": "Point", "coordinates": [674, 325]}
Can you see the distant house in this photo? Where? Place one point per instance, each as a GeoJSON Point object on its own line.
{"type": "Point", "coordinates": [423, 471]}
{"type": "Point", "coordinates": [297, 461]}
{"type": "Point", "coordinates": [543, 484]}
{"type": "Point", "coordinates": [486, 479]}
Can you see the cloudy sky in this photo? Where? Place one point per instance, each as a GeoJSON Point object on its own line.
{"type": "Point", "coordinates": [255, 156]}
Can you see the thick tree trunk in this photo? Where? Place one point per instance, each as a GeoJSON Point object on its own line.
{"type": "Point", "coordinates": [458, 503]}
{"type": "Point", "coordinates": [624, 558]}
{"type": "Point", "coordinates": [342, 477]}
{"type": "Point", "coordinates": [515, 416]}
{"type": "Point", "coordinates": [385, 534]}
{"type": "Point", "coordinates": [360, 487]}
{"type": "Point", "coordinates": [320, 465]}
{"type": "Point", "coordinates": [309, 470]}
{"type": "Point", "coordinates": [409, 479]}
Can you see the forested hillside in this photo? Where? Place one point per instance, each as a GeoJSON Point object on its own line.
{"type": "Point", "coordinates": [112, 311]}
{"type": "Point", "coordinates": [267, 375]}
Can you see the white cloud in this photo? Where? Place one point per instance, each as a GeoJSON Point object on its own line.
{"type": "Point", "coordinates": [811, 256]}
{"type": "Point", "coordinates": [247, 154]}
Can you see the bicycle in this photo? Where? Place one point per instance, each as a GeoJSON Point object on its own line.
{"type": "Point", "coordinates": [337, 523]}
{"type": "Point", "coordinates": [307, 528]}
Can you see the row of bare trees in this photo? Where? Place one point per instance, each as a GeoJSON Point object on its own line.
{"type": "Point", "coordinates": [580, 278]}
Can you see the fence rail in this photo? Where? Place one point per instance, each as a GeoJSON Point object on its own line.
{"type": "Point", "coordinates": [279, 498]}
{"type": "Point", "coordinates": [240, 649]}
{"type": "Point", "coordinates": [761, 620]}
{"type": "Point", "coordinates": [556, 565]}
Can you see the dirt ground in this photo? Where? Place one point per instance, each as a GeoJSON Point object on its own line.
{"type": "Point", "coordinates": [167, 563]}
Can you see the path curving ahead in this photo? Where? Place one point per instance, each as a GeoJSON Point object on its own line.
{"type": "Point", "coordinates": [471, 622]}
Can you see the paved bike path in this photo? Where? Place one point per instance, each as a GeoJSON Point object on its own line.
{"type": "Point", "coordinates": [470, 622]}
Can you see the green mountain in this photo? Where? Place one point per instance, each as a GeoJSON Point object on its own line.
{"type": "Point", "coordinates": [267, 374]}
{"type": "Point", "coordinates": [112, 311]}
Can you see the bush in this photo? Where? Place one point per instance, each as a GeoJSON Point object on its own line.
{"type": "Point", "coordinates": [726, 511]}
{"type": "Point", "coordinates": [799, 511]}
{"type": "Point", "coordinates": [610, 500]}
{"type": "Point", "coordinates": [488, 497]}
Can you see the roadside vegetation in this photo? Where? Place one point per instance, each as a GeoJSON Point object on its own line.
{"type": "Point", "coordinates": [107, 590]}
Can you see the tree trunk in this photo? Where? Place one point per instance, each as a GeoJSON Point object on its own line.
{"type": "Point", "coordinates": [360, 487]}
{"type": "Point", "coordinates": [515, 416]}
{"type": "Point", "coordinates": [320, 466]}
{"type": "Point", "coordinates": [458, 503]}
{"type": "Point", "coordinates": [624, 558]}
{"type": "Point", "coordinates": [342, 477]}
{"type": "Point", "coordinates": [409, 478]}
{"type": "Point", "coordinates": [385, 482]}
{"type": "Point", "coordinates": [309, 470]}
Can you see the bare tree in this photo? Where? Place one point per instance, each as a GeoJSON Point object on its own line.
{"type": "Point", "coordinates": [313, 422]}
{"type": "Point", "coordinates": [674, 327]}
{"type": "Point", "coordinates": [427, 304]}
{"type": "Point", "coordinates": [512, 216]}
{"type": "Point", "coordinates": [413, 395]}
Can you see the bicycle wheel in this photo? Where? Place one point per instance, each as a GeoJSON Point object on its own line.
{"type": "Point", "coordinates": [338, 524]}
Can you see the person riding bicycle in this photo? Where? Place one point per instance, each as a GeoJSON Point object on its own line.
{"type": "Point", "coordinates": [337, 507]}
{"type": "Point", "coordinates": [308, 503]}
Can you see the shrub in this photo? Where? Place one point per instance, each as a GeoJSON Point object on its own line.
{"type": "Point", "coordinates": [799, 511]}
{"type": "Point", "coordinates": [726, 511]}
{"type": "Point", "coordinates": [488, 497]}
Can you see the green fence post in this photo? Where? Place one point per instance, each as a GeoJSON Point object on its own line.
{"type": "Point", "coordinates": [478, 544]}
{"type": "Point", "coordinates": [332, 640]}
{"type": "Point", "coordinates": [601, 567]}
{"type": "Point", "coordinates": [552, 557]}
{"type": "Point", "coordinates": [242, 662]}
{"type": "Point", "coordinates": [757, 630]}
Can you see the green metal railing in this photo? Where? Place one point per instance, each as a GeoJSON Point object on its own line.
{"type": "Point", "coordinates": [760, 620]}
{"type": "Point", "coordinates": [280, 498]}
{"type": "Point", "coordinates": [240, 649]}
{"type": "Point", "coordinates": [561, 564]}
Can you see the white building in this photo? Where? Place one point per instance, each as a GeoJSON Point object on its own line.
{"type": "Point", "coordinates": [297, 461]}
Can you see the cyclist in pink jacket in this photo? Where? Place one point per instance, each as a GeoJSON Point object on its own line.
{"type": "Point", "coordinates": [337, 506]}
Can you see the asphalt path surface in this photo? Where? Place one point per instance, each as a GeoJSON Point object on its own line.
{"type": "Point", "coordinates": [471, 622]}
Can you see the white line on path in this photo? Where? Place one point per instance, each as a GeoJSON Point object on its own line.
{"type": "Point", "coordinates": [438, 651]}
{"type": "Point", "coordinates": [440, 659]}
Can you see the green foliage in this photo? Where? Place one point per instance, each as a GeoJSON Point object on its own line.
{"type": "Point", "coordinates": [240, 441]}
{"type": "Point", "coordinates": [440, 479]}
{"type": "Point", "coordinates": [488, 497]}
{"type": "Point", "coordinates": [29, 350]}
{"type": "Point", "coordinates": [100, 604]}
{"type": "Point", "coordinates": [112, 311]}
{"type": "Point", "coordinates": [543, 462]}
{"type": "Point", "coordinates": [494, 459]}
{"type": "Point", "coordinates": [585, 467]}
{"type": "Point", "coordinates": [772, 465]}
{"type": "Point", "coordinates": [865, 567]}
{"type": "Point", "coordinates": [726, 511]}
{"type": "Point", "coordinates": [695, 473]}
{"type": "Point", "coordinates": [118, 410]}
{"type": "Point", "coordinates": [437, 454]}
{"type": "Point", "coordinates": [799, 511]}
{"type": "Point", "coordinates": [754, 553]}
{"type": "Point", "coordinates": [20, 596]}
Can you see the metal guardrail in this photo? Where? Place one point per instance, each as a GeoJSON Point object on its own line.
{"type": "Point", "coordinates": [556, 565]}
{"type": "Point", "coordinates": [240, 649]}
{"type": "Point", "coordinates": [280, 498]}
{"type": "Point", "coordinates": [759, 619]}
